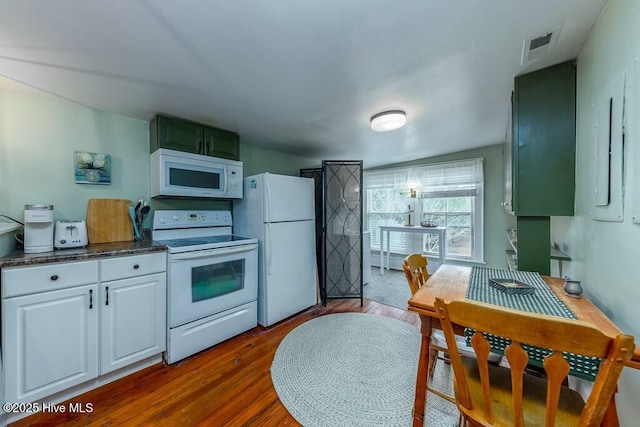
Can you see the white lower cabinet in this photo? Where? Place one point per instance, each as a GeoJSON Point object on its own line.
{"type": "Point", "coordinates": [133, 315]}
{"type": "Point", "coordinates": [63, 324]}
{"type": "Point", "coordinates": [50, 342]}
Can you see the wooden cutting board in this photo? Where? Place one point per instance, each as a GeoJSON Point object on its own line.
{"type": "Point", "coordinates": [108, 220]}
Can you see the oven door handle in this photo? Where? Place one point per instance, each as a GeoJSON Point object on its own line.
{"type": "Point", "coordinates": [212, 252]}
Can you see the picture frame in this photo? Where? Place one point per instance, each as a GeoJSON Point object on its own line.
{"type": "Point", "coordinates": [92, 168]}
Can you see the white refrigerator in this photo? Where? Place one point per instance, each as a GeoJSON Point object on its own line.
{"type": "Point", "coordinates": [279, 211]}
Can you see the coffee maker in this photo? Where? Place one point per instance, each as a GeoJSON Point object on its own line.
{"type": "Point", "coordinates": [38, 228]}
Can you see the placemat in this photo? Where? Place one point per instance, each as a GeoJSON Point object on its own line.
{"type": "Point", "coordinates": [543, 301]}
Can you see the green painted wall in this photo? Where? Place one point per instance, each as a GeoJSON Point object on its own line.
{"type": "Point", "coordinates": [6, 239]}
{"type": "Point", "coordinates": [605, 254]}
{"type": "Point", "coordinates": [6, 243]}
{"type": "Point", "coordinates": [39, 133]}
{"type": "Point", "coordinates": [257, 160]}
{"type": "Point", "coordinates": [496, 221]}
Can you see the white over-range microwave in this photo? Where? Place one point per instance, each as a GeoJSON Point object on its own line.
{"type": "Point", "coordinates": [179, 174]}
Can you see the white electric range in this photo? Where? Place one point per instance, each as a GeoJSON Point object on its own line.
{"type": "Point", "coordinates": [212, 279]}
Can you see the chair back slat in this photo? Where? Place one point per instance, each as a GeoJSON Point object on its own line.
{"type": "Point", "coordinates": [512, 404]}
{"type": "Point", "coordinates": [518, 360]}
{"type": "Point", "coordinates": [557, 369]}
{"type": "Point", "coordinates": [482, 348]}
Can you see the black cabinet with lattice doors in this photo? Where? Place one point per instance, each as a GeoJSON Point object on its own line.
{"type": "Point", "coordinates": [339, 212]}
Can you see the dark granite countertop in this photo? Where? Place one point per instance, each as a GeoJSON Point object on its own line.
{"type": "Point", "coordinates": [96, 250]}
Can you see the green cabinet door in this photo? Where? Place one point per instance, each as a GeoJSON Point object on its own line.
{"type": "Point", "coordinates": [544, 142]}
{"type": "Point", "coordinates": [176, 134]}
{"type": "Point", "coordinates": [221, 143]}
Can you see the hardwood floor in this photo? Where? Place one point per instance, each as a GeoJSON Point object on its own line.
{"type": "Point", "coordinates": [227, 385]}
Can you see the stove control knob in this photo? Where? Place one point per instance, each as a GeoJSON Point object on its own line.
{"type": "Point", "coordinates": [175, 217]}
{"type": "Point", "coordinates": [162, 220]}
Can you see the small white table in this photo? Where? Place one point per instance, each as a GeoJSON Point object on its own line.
{"type": "Point", "coordinates": [440, 231]}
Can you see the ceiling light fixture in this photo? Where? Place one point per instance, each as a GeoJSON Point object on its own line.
{"type": "Point", "coordinates": [388, 120]}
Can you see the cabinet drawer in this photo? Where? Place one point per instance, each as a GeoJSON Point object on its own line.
{"type": "Point", "coordinates": [28, 280]}
{"type": "Point", "coordinates": [132, 266]}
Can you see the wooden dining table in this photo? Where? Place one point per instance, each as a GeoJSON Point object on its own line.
{"type": "Point", "coordinates": [450, 283]}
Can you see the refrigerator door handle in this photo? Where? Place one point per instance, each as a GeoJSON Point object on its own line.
{"type": "Point", "coordinates": [267, 248]}
{"type": "Point", "coordinates": [267, 210]}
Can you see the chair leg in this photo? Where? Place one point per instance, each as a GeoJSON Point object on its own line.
{"type": "Point", "coordinates": [433, 357]}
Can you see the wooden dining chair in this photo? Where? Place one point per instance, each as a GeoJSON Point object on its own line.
{"type": "Point", "coordinates": [415, 270]}
{"type": "Point", "coordinates": [496, 396]}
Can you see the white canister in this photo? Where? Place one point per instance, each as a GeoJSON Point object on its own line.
{"type": "Point", "coordinates": [38, 228]}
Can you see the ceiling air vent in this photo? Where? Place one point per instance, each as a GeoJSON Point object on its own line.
{"type": "Point", "coordinates": [539, 46]}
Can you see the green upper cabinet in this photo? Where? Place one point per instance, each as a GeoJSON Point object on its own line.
{"type": "Point", "coordinates": [183, 135]}
{"type": "Point", "coordinates": [544, 142]}
{"type": "Point", "coordinates": [176, 134]}
{"type": "Point", "coordinates": [222, 143]}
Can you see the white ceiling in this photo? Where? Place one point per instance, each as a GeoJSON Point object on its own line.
{"type": "Point", "coordinates": [298, 76]}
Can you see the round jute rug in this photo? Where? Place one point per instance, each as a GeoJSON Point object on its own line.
{"type": "Point", "coordinates": [351, 369]}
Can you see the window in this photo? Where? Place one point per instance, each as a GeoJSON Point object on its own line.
{"type": "Point", "coordinates": [447, 194]}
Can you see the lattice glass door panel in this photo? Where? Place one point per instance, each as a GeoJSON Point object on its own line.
{"type": "Point", "coordinates": [343, 229]}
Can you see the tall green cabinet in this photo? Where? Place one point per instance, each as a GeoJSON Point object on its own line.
{"type": "Point", "coordinates": [542, 148]}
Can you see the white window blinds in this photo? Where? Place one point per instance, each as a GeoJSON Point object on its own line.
{"type": "Point", "coordinates": [386, 178]}
{"type": "Point", "coordinates": [450, 176]}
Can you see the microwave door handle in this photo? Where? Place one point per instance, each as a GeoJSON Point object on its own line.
{"type": "Point", "coordinates": [226, 179]}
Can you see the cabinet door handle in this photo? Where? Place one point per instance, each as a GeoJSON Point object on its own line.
{"type": "Point", "coordinates": [136, 266]}
{"type": "Point", "coordinates": [90, 299]}
{"type": "Point", "coordinates": [107, 295]}
{"type": "Point", "coordinates": [54, 277]}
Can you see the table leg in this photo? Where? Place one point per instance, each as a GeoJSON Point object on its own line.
{"type": "Point", "coordinates": [442, 246]}
{"type": "Point", "coordinates": [423, 372]}
{"type": "Point", "coordinates": [381, 251]}
{"type": "Point", "coordinates": [388, 250]}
